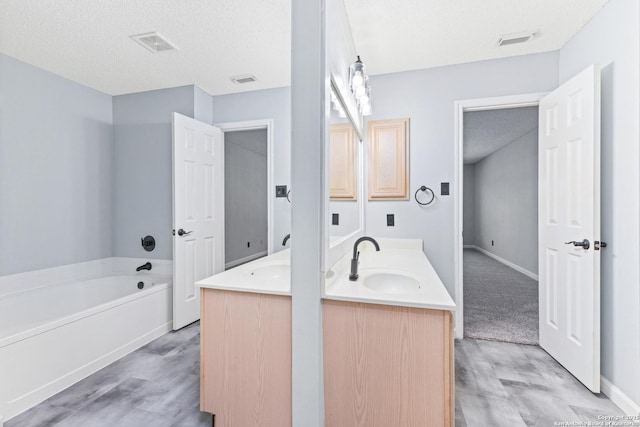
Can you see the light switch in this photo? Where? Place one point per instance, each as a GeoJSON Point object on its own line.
{"type": "Point", "coordinates": [391, 222]}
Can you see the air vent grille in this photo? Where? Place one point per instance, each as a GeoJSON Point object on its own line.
{"type": "Point", "coordinates": [247, 78]}
{"type": "Point", "coordinates": [515, 38]}
{"type": "Point", "coordinates": [153, 42]}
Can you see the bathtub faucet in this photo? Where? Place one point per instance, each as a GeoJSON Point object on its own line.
{"type": "Point", "coordinates": [146, 266]}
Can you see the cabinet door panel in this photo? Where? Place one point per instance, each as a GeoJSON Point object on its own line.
{"type": "Point", "coordinates": [388, 159]}
{"type": "Point", "coordinates": [342, 164]}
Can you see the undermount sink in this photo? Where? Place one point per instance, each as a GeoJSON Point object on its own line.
{"type": "Point", "coordinates": [391, 282]}
{"type": "Point", "coordinates": [270, 271]}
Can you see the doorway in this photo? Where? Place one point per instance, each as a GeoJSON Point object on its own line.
{"type": "Point", "coordinates": [462, 233]}
{"type": "Point", "coordinates": [500, 224]}
{"type": "Point", "coordinates": [247, 198]}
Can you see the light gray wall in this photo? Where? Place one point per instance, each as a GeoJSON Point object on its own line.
{"type": "Point", "coordinates": [427, 97]}
{"type": "Point", "coordinates": [469, 205]}
{"type": "Point", "coordinates": [348, 217]}
{"type": "Point", "coordinates": [506, 202]}
{"type": "Point", "coordinates": [202, 106]}
{"type": "Point", "coordinates": [245, 194]}
{"type": "Point", "coordinates": [611, 40]}
{"type": "Point", "coordinates": [142, 169]}
{"type": "Point", "coordinates": [266, 104]}
{"type": "Point", "coordinates": [56, 157]}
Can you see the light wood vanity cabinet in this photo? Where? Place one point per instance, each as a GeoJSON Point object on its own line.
{"type": "Point", "coordinates": [387, 366]}
{"type": "Point", "coordinates": [245, 358]}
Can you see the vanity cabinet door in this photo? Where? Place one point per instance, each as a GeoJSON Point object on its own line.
{"type": "Point", "coordinates": [387, 366]}
{"type": "Point", "coordinates": [388, 159]}
{"type": "Point", "coordinates": [245, 358]}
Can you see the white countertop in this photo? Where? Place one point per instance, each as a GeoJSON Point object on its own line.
{"type": "Point", "coordinates": [268, 275]}
{"type": "Point", "coordinates": [399, 256]}
{"type": "Point", "coordinates": [272, 275]}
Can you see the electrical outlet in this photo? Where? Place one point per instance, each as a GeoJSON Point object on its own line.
{"type": "Point", "coordinates": [444, 188]}
{"type": "Point", "coordinates": [248, 244]}
{"type": "Point", "coordinates": [335, 219]}
{"type": "Point", "coordinates": [492, 243]}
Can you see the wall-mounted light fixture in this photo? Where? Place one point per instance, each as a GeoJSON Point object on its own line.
{"type": "Point", "coordinates": [337, 106]}
{"type": "Point", "coordinates": [359, 83]}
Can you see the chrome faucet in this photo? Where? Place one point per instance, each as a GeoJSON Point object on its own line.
{"type": "Point", "coordinates": [146, 266]}
{"type": "Point", "coordinates": [287, 237]}
{"type": "Point", "coordinates": [353, 276]}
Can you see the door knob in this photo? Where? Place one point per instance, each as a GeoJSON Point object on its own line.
{"type": "Point", "coordinates": [181, 232]}
{"type": "Point", "coordinates": [585, 243]}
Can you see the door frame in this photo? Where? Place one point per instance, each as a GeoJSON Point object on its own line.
{"type": "Point", "coordinates": [461, 107]}
{"type": "Point", "coordinates": [257, 125]}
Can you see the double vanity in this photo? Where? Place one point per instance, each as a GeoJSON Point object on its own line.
{"type": "Point", "coordinates": [387, 341]}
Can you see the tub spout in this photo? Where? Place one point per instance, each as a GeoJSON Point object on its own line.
{"type": "Point", "coordinates": [146, 266]}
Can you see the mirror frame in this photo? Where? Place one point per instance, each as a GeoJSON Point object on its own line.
{"type": "Point", "coordinates": [342, 245]}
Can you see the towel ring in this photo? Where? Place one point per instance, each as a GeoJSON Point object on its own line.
{"type": "Point", "coordinates": [424, 188]}
{"type": "Point", "coordinates": [288, 199]}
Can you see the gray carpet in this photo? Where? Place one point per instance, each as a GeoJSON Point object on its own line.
{"type": "Point", "coordinates": [500, 303]}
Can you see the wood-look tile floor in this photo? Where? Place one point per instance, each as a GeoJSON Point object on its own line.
{"type": "Point", "coordinates": [497, 384]}
{"type": "Point", "coordinates": [505, 384]}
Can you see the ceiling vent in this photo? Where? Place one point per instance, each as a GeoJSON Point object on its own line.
{"type": "Point", "coordinates": [515, 38]}
{"type": "Point", "coordinates": [153, 42]}
{"type": "Point", "coordinates": [247, 78]}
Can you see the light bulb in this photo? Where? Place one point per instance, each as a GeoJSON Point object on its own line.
{"type": "Point", "coordinates": [364, 99]}
{"type": "Point", "coordinates": [357, 80]}
{"type": "Point", "coordinates": [366, 109]}
{"type": "Point", "coordinates": [360, 90]}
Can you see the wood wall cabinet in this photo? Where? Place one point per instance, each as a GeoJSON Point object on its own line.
{"type": "Point", "coordinates": [388, 159]}
{"type": "Point", "coordinates": [342, 162]}
{"type": "Point", "coordinates": [245, 358]}
{"type": "Point", "coordinates": [387, 366]}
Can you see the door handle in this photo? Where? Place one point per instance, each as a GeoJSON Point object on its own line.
{"type": "Point", "coordinates": [585, 243]}
{"type": "Point", "coordinates": [181, 232]}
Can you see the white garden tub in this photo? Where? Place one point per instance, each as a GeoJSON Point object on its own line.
{"type": "Point", "coordinates": [55, 335]}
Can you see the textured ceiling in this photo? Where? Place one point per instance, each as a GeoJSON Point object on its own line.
{"type": "Point", "coordinates": [486, 132]}
{"type": "Point", "coordinates": [401, 35]}
{"type": "Point", "coordinates": [88, 40]}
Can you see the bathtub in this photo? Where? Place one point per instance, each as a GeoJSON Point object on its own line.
{"type": "Point", "coordinates": [53, 336]}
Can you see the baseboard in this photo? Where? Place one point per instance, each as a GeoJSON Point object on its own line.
{"type": "Point", "coordinates": [469, 246]}
{"type": "Point", "coordinates": [245, 260]}
{"type": "Point", "coordinates": [507, 263]}
{"type": "Point", "coordinates": [618, 397]}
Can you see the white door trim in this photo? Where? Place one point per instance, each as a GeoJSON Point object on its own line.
{"type": "Point", "coordinates": [460, 107]}
{"type": "Point", "coordinates": [256, 125]}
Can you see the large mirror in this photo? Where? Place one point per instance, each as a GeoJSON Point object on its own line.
{"type": "Point", "coordinates": [345, 172]}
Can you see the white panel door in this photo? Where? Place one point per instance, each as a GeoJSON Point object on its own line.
{"type": "Point", "coordinates": [569, 222]}
{"type": "Point", "coordinates": [198, 212]}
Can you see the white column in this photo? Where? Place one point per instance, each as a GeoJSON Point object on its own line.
{"type": "Point", "coordinates": [307, 208]}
